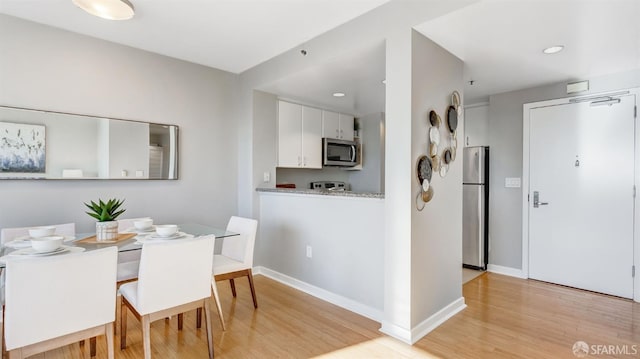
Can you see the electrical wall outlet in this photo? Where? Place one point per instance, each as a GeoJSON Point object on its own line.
{"type": "Point", "coordinates": [309, 252]}
{"type": "Point", "coordinates": [266, 177]}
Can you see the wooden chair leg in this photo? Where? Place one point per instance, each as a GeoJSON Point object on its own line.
{"type": "Point", "coordinates": [199, 318]}
{"type": "Point", "coordinates": [109, 334]}
{"type": "Point", "coordinates": [253, 290]}
{"type": "Point", "coordinates": [207, 318]}
{"type": "Point", "coordinates": [216, 297]}
{"type": "Point", "coordinates": [92, 346]}
{"type": "Point", "coordinates": [146, 336]}
{"type": "Point", "coordinates": [180, 321]}
{"type": "Point", "coordinates": [123, 325]}
{"type": "Point", "coordinates": [233, 287]}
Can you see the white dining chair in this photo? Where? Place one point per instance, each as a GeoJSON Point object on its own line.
{"type": "Point", "coordinates": [235, 259]}
{"type": "Point", "coordinates": [58, 300]}
{"type": "Point", "coordinates": [129, 261]}
{"type": "Point", "coordinates": [174, 277]}
{"type": "Point", "coordinates": [9, 234]}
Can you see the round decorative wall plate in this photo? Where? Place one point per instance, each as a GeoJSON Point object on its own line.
{"type": "Point", "coordinates": [433, 149]}
{"type": "Point", "coordinates": [455, 99]}
{"type": "Point", "coordinates": [423, 169]}
{"type": "Point", "coordinates": [446, 156]}
{"type": "Point", "coordinates": [444, 168]}
{"type": "Point", "coordinates": [435, 163]}
{"type": "Point", "coordinates": [427, 195]}
{"type": "Point", "coordinates": [434, 119]}
{"type": "Point", "coordinates": [434, 135]}
{"type": "Point", "coordinates": [452, 118]}
{"type": "Point", "coordinates": [425, 185]}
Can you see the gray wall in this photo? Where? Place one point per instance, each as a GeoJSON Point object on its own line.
{"type": "Point", "coordinates": [505, 140]}
{"type": "Point", "coordinates": [436, 246]}
{"type": "Point", "coordinates": [47, 68]}
{"type": "Point", "coordinates": [371, 177]}
{"type": "Point", "coordinates": [391, 22]}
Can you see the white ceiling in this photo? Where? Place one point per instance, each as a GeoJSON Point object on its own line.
{"type": "Point", "coordinates": [357, 74]}
{"type": "Point", "coordinates": [500, 41]}
{"type": "Point", "coordinates": [231, 35]}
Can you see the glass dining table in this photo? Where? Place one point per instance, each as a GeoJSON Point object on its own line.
{"type": "Point", "coordinates": [131, 244]}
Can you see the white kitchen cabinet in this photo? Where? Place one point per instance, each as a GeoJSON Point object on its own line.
{"type": "Point", "coordinates": [299, 136]}
{"type": "Point", "coordinates": [476, 126]}
{"type": "Point", "coordinates": [337, 125]}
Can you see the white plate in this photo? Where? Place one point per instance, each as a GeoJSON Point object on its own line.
{"type": "Point", "coordinates": [141, 231]}
{"type": "Point", "coordinates": [30, 252]}
{"type": "Point", "coordinates": [443, 169]}
{"type": "Point", "coordinates": [177, 235]}
{"type": "Point", "coordinates": [434, 135]}
{"type": "Point", "coordinates": [425, 185]}
{"type": "Point", "coordinates": [25, 241]}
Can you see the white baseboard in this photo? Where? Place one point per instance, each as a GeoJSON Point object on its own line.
{"type": "Point", "coordinates": [412, 336]}
{"type": "Point", "coordinates": [397, 332]}
{"type": "Point", "coordinates": [512, 272]}
{"type": "Point", "coordinates": [402, 334]}
{"type": "Point", "coordinates": [435, 320]}
{"type": "Point", "coordinates": [346, 303]}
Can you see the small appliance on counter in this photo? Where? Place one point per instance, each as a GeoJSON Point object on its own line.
{"type": "Point", "coordinates": [329, 186]}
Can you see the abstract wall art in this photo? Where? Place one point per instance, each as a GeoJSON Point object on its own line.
{"type": "Point", "coordinates": [22, 148]}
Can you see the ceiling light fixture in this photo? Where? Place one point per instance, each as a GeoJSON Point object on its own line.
{"type": "Point", "coordinates": [384, 82]}
{"type": "Point", "coordinates": [339, 94]}
{"type": "Point", "coordinates": [553, 49]}
{"type": "Point", "coordinates": [107, 9]}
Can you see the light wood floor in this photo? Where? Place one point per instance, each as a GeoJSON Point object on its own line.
{"type": "Point", "coordinates": [505, 317]}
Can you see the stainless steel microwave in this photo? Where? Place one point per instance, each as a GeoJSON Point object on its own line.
{"type": "Point", "coordinates": [339, 153]}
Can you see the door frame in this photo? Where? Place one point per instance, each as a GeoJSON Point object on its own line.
{"type": "Point", "coordinates": [526, 122]}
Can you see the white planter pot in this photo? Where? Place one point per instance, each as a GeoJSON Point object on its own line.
{"type": "Point", "coordinates": [106, 231]}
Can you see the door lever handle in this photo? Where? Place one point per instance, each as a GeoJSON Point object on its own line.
{"type": "Point", "coordinates": [536, 200]}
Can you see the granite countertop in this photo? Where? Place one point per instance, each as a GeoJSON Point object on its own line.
{"type": "Point", "coordinates": [322, 193]}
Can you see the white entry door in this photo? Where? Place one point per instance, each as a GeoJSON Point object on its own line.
{"type": "Point", "coordinates": [581, 165]}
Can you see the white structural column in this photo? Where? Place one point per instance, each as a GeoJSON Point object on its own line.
{"type": "Point", "coordinates": [398, 174]}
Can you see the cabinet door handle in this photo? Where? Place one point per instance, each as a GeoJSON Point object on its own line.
{"type": "Point", "coordinates": [304, 161]}
{"type": "Point", "coordinates": [299, 161]}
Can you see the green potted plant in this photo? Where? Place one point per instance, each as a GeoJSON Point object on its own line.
{"type": "Point", "coordinates": [106, 214]}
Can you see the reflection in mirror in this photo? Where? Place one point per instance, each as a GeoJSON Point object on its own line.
{"type": "Point", "coordinates": [37, 144]}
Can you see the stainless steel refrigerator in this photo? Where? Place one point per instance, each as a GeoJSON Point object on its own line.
{"type": "Point", "coordinates": [475, 207]}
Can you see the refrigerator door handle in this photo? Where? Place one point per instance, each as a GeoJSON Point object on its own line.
{"type": "Point", "coordinates": [481, 241]}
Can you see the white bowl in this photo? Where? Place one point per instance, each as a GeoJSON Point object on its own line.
{"type": "Point", "coordinates": [47, 244]}
{"type": "Point", "coordinates": [166, 230]}
{"type": "Point", "coordinates": [143, 224]}
{"type": "Point", "coordinates": [38, 232]}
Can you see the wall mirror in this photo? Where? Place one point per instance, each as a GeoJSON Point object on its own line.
{"type": "Point", "coordinates": [37, 144]}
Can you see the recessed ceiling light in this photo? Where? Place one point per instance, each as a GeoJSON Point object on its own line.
{"type": "Point", "coordinates": [338, 94]}
{"type": "Point", "coordinates": [384, 81]}
{"type": "Point", "coordinates": [553, 49]}
{"type": "Point", "coordinates": [107, 9]}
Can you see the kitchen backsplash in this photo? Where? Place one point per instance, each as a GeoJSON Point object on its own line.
{"type": "Point", "coordinates": [302, 177]}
